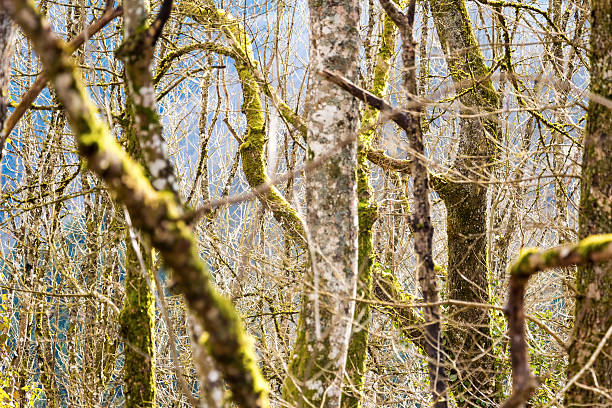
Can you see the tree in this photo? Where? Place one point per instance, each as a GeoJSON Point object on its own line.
{"type": "Point", "coordinates": [318, 359]}
{"type": "Point", "coordinates": [156, 213]}
{"type": "Point", "coordinates": [179, 245]}
{"type": "Point", "coordinates": [592, 316]}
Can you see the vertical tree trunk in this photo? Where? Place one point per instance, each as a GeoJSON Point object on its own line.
{"type": "Point", "coordinates": [593, 315]}
{"type": "Point", "coordinates": [7, 30]}
{"type": "Point", "coordinates": [368, 213]}
{"type": "Point", "coordinates": [319, 355]}
{"type": "Point", "coordinates": [466, 205]}
{"type": "Point", "coordinates": [138, 315]}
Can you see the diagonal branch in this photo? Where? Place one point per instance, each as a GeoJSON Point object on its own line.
{"type": "Point", "coordinates": [157, 214]}
{"type": "Point", "coordinates": [41, 81]}
{"type": "Point", "coordinates": [402, 118]}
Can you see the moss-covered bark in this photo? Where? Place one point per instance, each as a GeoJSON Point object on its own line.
{"type": "Point", "coordinates": [387, 288]}
{"type": "Point", "coordinates": [591, 251]}
{"type": "Point", "coordinates": [468, 336]}
{"type": "Point", "coordinates": [367, 214]}
{"type": "Point", "coordinates": [137, 321]}
{"type": "Point", "coordinates": [593, 314]}
{"type": "Point", "coordinates": [252, 151]}
{"type": "Point", "coordinates": [157, 214]}
{"type": "Point", "coordinates": [143, 131]}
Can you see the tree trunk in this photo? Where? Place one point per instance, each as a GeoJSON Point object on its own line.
{"type": "Point", "coordinates": [317, 364]}
{"type": "Point", "coordinates": [368, 213]}
{"type": "Point", "coordinates": [138, 315]}
{"type": "Point", "coordinates": [7, 30]}
{"type": "Point", "coordinates": [593, 314]}
{"type": "Point", "coordinates": [468, 336]}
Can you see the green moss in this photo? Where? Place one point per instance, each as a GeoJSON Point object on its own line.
{"type": "Point", "coordinates": [152, 213]}
{"type": "Point", "coordinates": [137, 320]}
{"type": "Point", "coordinates": [367, 214]}
{"type": "Point", "coordinates": [522, 264]}
{"type": "Point", "coordinates": [550, 257]}
{"type": "Point", "coordinates": [594, 243]}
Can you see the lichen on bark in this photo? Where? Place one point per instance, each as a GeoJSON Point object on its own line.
{"type": "Point", "coordinates": [142, 129]}
{"type": "Point", "coordinates": [594, 282]}
{"type": "Point", "coordinates": [466, 203]}
{"type": "Point", "coordinates": [157, 214]}
{"type": "Point", "coordinates": [318, 358]}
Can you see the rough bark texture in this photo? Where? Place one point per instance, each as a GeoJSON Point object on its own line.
{"type": "Point", "coordinates": [420, 222]}
{"type": "Point", "coordinates": [590, 251]}
{"type": "Point", "coordinates": [137, 321]}
{"type": "Point", "coordinates": [157, 214]}
{"type": "Point", "coordinates": [466, 204]}
{"type": "Point", "coordinates": [6, 57]}
{"type": "Point", "coordinates": [367, 213]}
{"type": "Point", "coordinates": [137, 54]}
{"type": "Point", "coordinates": [318, 359]}
{"type": "Point", "coordinates": [138, 315]}
{"type": "Point", "coordinates": [593, 315]}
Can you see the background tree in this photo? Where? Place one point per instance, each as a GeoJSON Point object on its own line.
{"type": "Point", "coordinates": [232, 86]}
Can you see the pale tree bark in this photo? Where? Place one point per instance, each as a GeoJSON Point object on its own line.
{"type": "Point", "coordinates": [468, 335]}
{"type": "Point", "coordinates": [318, 359]}
{"type": "Point", "coordinates": [593, 314]}
{"type": "Point", "coordinates": [420, 222]}
{"type": "Point", "coordinates": [158, 215]}
{"type": "Point", "coordinates": [6, 57]}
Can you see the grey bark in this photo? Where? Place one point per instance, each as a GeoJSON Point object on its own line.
{"type": "Point", "coordinates": [319, 355]}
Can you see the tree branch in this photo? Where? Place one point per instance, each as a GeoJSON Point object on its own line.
{"type": "Point", "coordinates": [401, 117]}
{"type": "Point", "coordinates": [157, 214]}
{"type": "Point", "coordinates": [596, 248]}
{"type": "Point", "coordinates": [41, 81]}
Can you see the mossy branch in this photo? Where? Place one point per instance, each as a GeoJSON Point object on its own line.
{"type": "Point", "coordinates": [594, 249]}
{"type": "Point", "coordinates": [157, 214]}
{"type": "Point", "coordinates": [164, 65]}
{"type": "Point", "coordinates": [253, 149]}
{"type": "Point", "coordinates": [240, 43]}
{"type": "Point", "coordinates": [388, 289]}
{"type": "Point", "coordinates": [367, 213]}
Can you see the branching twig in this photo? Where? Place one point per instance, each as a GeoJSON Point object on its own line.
{"type": "Point", "coordinates": [41, 81]}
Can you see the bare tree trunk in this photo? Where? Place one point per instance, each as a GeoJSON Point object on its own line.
{"type": "Point", "coordinates": [318, 359]}
{"type": "Point", "coordinates": [466, 205]}
{"type": "Point", "coordinates": [7, 30]}
{"type": "Point", "coordinates": [593, 315]}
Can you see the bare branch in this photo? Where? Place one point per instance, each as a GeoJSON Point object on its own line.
{"type": "Point", "coordinates": [596, 248]}
{"type": "Point", "coordinates": [40, 83]}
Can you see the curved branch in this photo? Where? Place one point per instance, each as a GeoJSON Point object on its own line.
{"type": "Point", "coordinates": [596, 248]}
